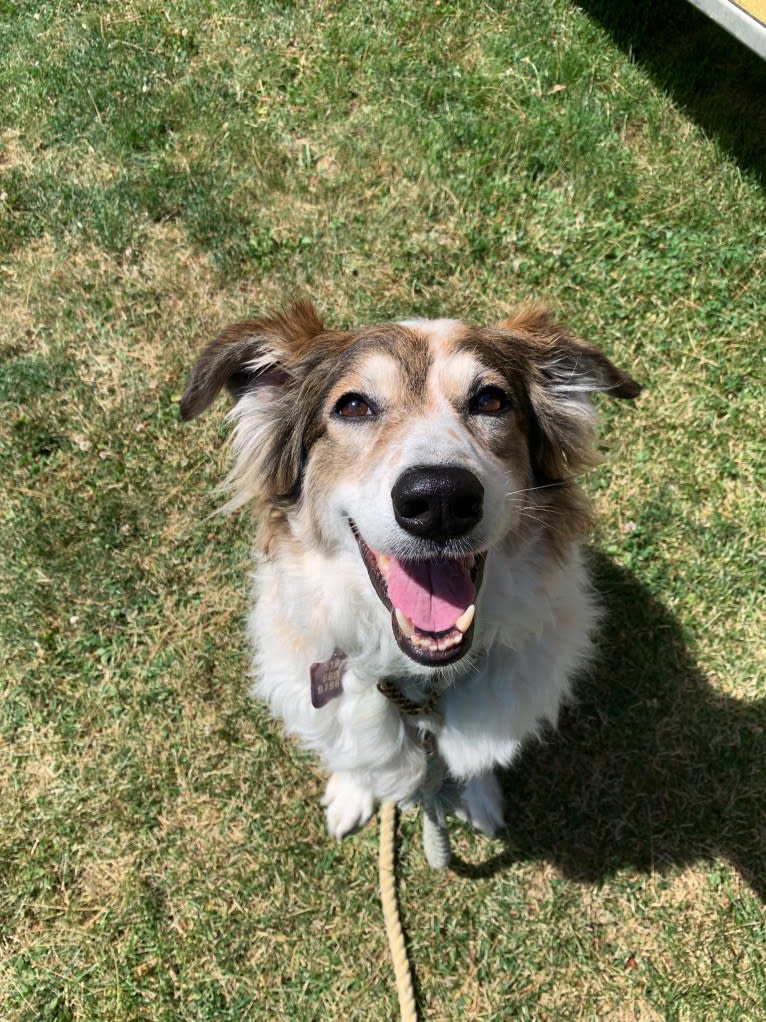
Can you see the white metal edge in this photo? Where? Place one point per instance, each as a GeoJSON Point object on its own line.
{"type": "Point", "coordinates": [736, 21]}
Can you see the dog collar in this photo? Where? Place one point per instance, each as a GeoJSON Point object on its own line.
{"type": "Point", "coordinates": [327, 684]}
{"type": "Point", "coordinates": [388, 688]}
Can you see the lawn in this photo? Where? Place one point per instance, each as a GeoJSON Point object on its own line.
{"type": "Point", "coordinates": [166, 169]}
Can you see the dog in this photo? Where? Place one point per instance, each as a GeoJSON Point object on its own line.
{"type": "Point", "coordinates": [420, 583]}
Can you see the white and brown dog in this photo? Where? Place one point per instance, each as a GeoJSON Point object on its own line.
{"type": "Point", "coordinates": [420, 567]}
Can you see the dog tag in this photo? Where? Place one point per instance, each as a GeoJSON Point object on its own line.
{"type": "Point", "coordinates": [327, 679]}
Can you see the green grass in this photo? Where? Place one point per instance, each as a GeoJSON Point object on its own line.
{"type": "Point", "coordinates": [167, 169]}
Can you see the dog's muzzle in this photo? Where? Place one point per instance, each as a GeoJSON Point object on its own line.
{"type": "Point", "coordinates": [432, 598]}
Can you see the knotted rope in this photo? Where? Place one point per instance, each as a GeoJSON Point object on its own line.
{"type": "Point", "coordinates": [394, 932]}
{"type": "Point", "coordinates": [438, 795]}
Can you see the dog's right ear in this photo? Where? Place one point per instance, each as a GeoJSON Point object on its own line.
{"type": "Point", "coordinates": [239, 359]}
{"type": "Point", "coordinates": [250, 356]}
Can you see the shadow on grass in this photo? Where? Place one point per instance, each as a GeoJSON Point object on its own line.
{"type": "Point", "coordinates": [650, 769]}
{"type": "Point", "coordinates": [712, 76]}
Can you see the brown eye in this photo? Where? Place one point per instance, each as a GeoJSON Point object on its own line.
{"type": "Point", "coordinates": [489, 401]}
{"type": "Point", "coordinates": [354, 406]}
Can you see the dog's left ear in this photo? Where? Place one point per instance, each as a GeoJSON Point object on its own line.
{"type": "Point", "coordinates": [575, 370]}
{"type": "Point", "coordinates": [565, 373]}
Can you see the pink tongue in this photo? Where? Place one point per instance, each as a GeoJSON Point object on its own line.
{"type": "Point", "coordinates": [432, 594]}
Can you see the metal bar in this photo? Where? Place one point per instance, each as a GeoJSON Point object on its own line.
{"type": "Point", "coordinates": [746, 20]}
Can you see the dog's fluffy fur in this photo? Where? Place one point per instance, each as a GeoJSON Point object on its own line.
{"type": "Point", "coordinates": [328, 427]}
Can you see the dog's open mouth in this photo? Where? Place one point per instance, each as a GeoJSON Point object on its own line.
{"type": "Point", "coordinates": [432, 602]}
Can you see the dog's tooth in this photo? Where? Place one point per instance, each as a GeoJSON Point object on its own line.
{"type": "Point", "coordinates": [384, 563]}
{"type": "Point", "coordinates": [404, 623]}
{"type": "Point", "coordinates": [465, 620]}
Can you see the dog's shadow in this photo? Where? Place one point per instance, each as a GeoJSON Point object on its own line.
{"type": "Point", "coordinates": [650, 768]}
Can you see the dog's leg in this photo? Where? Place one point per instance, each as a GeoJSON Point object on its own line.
{"type": "Point", "coordinates": [349, 805]}
{"type": "Point", "coordinates": [483, 804]}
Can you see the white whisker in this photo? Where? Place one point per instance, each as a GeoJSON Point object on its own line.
{"type": "Point", "coordinates": [534, 489]}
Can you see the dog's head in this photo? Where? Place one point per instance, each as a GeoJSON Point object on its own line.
{"type": "Point", "coordinates": [423, 445]}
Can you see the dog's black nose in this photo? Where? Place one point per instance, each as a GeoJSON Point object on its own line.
{"type": "Point", "coordinates": [437, 502]}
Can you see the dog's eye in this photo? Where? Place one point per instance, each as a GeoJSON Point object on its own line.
{"type": "Point", "coordinates": [489, 401]}
{"type": "Point", "coordinates": [354, 406]}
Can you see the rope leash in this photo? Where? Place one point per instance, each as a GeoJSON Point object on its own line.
{"type": "Point", "coordinates": [438, 795]}
{"type": "Point", "coordinates": [394, 932]}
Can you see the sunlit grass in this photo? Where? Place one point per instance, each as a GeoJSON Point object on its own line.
{"type": "Point", "coordinates": [165, 170]}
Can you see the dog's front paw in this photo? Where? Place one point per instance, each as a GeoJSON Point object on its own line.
{"type": "Point", "coordinates": [483, 804]}
{"type": "Point", "coordinates": [349, 806]}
